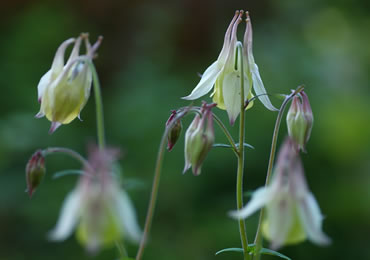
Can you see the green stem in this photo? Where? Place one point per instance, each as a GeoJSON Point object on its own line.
{"type": "Point", "coordinates": [99, 106]}
{"type": "Point", "coordinates": [155, 186]}
{"type": "Point", "coordinates": [240, 172]}
{"type": "Point", "coordinates": [69, 152]}
{"type": "Point", "coordinates": [258, 240]}
{"type": "Point", "coordinates": [227, 134]}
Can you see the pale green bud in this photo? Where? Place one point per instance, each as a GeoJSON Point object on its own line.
{"type": "Point", "coordinates": [300, 120]}
{"type": "Point", "coordinates": [199, 139]}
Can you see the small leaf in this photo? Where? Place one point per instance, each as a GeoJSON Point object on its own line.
{"type": "Point", "coordinates": [248, 193]}
{"type": "Point", "coordinates": [67, 172]}
{"type": "Point", "coordinates": [266, 251]}
{"type": "Point", "coordinates": [246, 145]}
{"type": "Point", "coordinates": [240, 250]}
{"type": "Point", "coordinates": [251, 248]}
{"type": "Point", "coordinates": [229, 146]}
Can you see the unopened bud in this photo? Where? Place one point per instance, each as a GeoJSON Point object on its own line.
{"type": "Point", "coordinates": [35, 171]}
{"type": "Point", "coordinates": [300, 120]}
{"type": "Point", "coordinates": [199, 139]}
{"type": "Point", "coordinates": [175, 131]}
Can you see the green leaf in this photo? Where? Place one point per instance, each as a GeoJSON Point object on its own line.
{"type": "Point", "coordinates": [67, 172]}
{"type": "Point", "coordinates": [266, 251]}
{"type": "Point", "coordinates": [248, 193]}
{"type": "Point", "coordinates": [229, 146]}
{"type": "Point", "coordinates": [251, 250]}
{"type": "Point", "coordinates": [240, 250]}
{"type": "Point", "coordinates": [126, 258]}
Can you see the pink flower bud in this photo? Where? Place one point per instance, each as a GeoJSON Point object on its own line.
{"type": "Point", "coordinates": [175, 131]}
{"type": "Point", "coordinates": [300, 120]}
{"type": "Point", "coordinates": [35, 171]}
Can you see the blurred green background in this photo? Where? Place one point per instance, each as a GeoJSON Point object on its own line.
{"type": "Point", "coordinates": [150, 57]}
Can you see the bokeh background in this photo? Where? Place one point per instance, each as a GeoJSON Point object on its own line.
{"type": "Point", "coordinates": [151, 56]}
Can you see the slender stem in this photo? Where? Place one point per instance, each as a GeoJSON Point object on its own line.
{"type": "Point", "coordinates": [155, 186]}
{"type": "Point", "coordinates": [99, 106]}
{"type": "Point", "coordinates": [258, 239]}
{"type": "Point", "coordinates": [239, 181]}
{"type": "Point", "coordinates": [227, 134]}
{"type": "Point", "coordinates": [69, 152]}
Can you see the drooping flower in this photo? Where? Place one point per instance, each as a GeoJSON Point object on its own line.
{"type": "Point", "coordinates": [102, 211]}
{"type": "Point", "coordinates": [300, 120]}
{"type": "Point", "coordinates": [293, 213]}
{"type": "Point", "coordinates": [64, 90]}
{"type": "Point", "coordinates": [224, 74]}
{"type": "Point", "coordinates": [199, 139]}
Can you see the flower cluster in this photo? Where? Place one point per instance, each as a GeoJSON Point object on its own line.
{"type": "Point", "coordinates": [224, 74]}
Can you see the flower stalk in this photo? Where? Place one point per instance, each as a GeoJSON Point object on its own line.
{"type": "Point", "coordinates": [258, 239]}
{"type": "Point", "coordinates": [240, 171]}
{"type": "Point", "coordinates": [155, 186]}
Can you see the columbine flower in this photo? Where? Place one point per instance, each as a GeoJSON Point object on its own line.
{"type": "Point", "coordinates": [102, 211]}
{"type": "Point", "coordinates": [199, 139]}
{"type": "Point", "coordinates": [292, 211]}
{"type": "Point", "coordinates": [64, 90]}
{"type": "Point", "coordinates": [300, 120]}
{"type": "Point", "coordinates": [225, 73]}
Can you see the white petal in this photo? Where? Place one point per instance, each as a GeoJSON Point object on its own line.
{"type": "Point", "coordinates": [58, 62]}
{"type": "Point", "coordinates": [206, 83]}
{"type": "Point", "coordinates": [127, 215]}
{"type": "Point", "coordinates": [75, 51]}
{"type": "Point", "coordinates": [260, 197]}
{"type": "Point", "coordinates": [68, 219]}
{"type": "Point", "coordinates": [280, 219]}
{"type": "Point", "coordinates": [310, 214]}
{"type": "Point", "coordinates": [259, 88]}
{"type": "Point", "coordinates": [44, 82]}
{"type": "Point", "coordinates": [231, 94]}
{"type": "Point", "coordinates": [225, 48]}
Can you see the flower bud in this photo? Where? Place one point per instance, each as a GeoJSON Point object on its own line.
{"type": "Point", "coordinates": [35, 171]}
{"type": "Point", "coordinates": [300, 120]}
{"type": "Point", "coordinates": [175, 131]}
{"type": "Point", "coordinates": [199, 139]}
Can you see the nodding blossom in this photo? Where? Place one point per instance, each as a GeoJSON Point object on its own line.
{"type": "Point", "coordinates": [64, 90]}
{"type": "Point", "coordinates": [293, 213]}
{"type": "Point", "coordinates": [224, 73]}
{"type": "Point", "coordinates": [99, 210]}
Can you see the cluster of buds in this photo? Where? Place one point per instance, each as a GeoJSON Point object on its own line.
{"type": "Point", "coordinates": [35, 171]}
{"type": "Point", "coordinates": [199, 139]}
{"type": "Point", "coordinates": [102, 211]}
{"type": "Point", "coordinates": [300, 120]}
{"type": "Point", "coordinates": [64, 90]}
{"type": "Point", "coordinates": [225, 73]}
{"type": "Point", "coordinates": [293, 213]}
